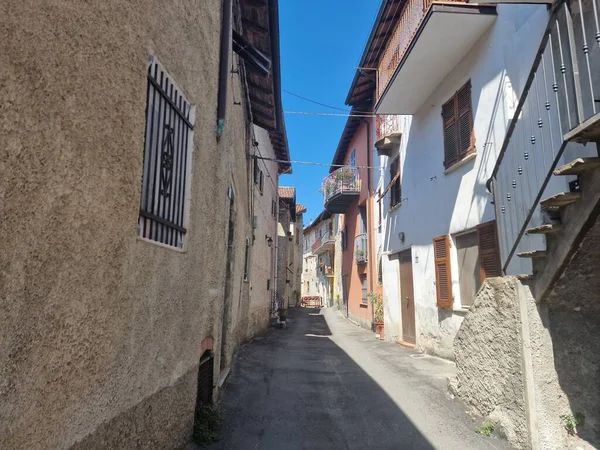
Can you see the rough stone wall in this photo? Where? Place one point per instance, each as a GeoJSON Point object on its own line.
{"type": "Point", "coordinates": [574, 327]}
{"type": "Point", "coordinates": [99, 327]}
{"type": "Point", "coordinates": [489, 361]}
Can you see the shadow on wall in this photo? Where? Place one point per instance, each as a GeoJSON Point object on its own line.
{"type": "Point", "coordinates": [574, 316]}
{"type": "Point", "coordinates": [307, 392]}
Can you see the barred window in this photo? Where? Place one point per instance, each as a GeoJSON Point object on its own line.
{"type": "Point", "coordinates": [166, 172]}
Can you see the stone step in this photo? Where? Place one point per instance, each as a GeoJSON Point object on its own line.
{"type": "Point", "coordinates": [578, 166]}
{"type": "Point", "coordinates": [533, 254]}
{"type": "Point", "coordinates": [560, 200]}
{"type": "Point", "coordinates": [586, 132]}
{"type": "Point", "coordinates": [544, 229]}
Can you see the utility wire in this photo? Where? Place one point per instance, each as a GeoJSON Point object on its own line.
{"type": "Point", "coordinates": [312, 163]}
{"type": "Point", "coordinates": [307, 113]}
{"type": "Point", "coordinates": [314, 101]}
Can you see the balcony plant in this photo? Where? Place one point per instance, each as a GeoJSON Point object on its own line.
{"type": "Point", "coordinates": [359, 255]}
{"type": "Point", "coordinates": [344, 176]}
{"type": "Point", "coordinates": [377, 302]}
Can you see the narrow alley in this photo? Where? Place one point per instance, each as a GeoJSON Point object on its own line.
{"type": "Point", "coordinates": [324, 383]}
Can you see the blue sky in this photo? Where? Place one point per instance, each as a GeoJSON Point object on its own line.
{"type": "Point", "coordinates": [321, 45]}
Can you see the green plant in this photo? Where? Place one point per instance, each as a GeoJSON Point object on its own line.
{"type": "Point", "coordinates": [377, 302]}
{"type": "Point", "coordinates": [338, 301]}
{"type": "Point", "coordinates": [344, 175]}
{"type": "Point", "coordinates": [572, 421]}
{"type": "Point", "coordinates": [207, 425]}
{"type": "Point", "coordinates": [486, 428]}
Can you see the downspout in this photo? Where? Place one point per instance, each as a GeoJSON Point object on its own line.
{"type": "Point", "coordinates": [226, 27]}
{"type": "Point", "coordinates": [369, 216]}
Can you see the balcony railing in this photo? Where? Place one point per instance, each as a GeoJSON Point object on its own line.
{"type": "Point", "coordinates": [344, 180]}
{"type": "Point", "coordinates": [360, 249]}
{"type": "Point", "coordinates": [562, 92]}
{"type": "Point", "coordinates": [410, 19]}
{"type": "Point", "coordinates": [386, 125]}
{"type": "Point", "coordinates": [316, 245]}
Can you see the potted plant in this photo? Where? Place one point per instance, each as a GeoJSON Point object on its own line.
{"type": "Point", "coordinates": [377, 302]}
{"type": "Point", "coordinates": [359, 256]}
{"type": "Point", "coordinates": [344, 176]}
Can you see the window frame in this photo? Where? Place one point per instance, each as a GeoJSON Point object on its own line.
{"type": "Point", "coordinates": [364, 289]}
{"type": "Point", "coordinates": [395, 183]}
{"type": "Point", "coordinates": [454, 119]}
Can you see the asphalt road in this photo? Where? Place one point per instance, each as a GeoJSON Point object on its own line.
{"type": "Point", "coordinates": [324, 383]}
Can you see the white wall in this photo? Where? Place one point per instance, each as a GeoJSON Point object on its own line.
{"type": "Point", "coordinates": [436, 201]}
{"type": "Point", "coordinates": [314, 282]}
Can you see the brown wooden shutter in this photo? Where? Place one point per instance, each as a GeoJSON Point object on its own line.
{"type": "Point", "coordinates": [443, 277]}
{"type": "Point", "coordinates": [450, 141]}
{"type": "Point", "coordinates": [489, 252]}
{"type": "Point", "coordinates": [465, 120]}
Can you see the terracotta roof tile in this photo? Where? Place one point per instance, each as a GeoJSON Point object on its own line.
{"type": "Point", "coordinates": [287, 192]}
{"type": "Point", "coordinates": [300, 208]}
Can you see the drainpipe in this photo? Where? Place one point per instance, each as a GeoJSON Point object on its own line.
{"type": "Point", "coordinates": [369, 216]}
{"type": "Point", "coordinates": [226, 29]}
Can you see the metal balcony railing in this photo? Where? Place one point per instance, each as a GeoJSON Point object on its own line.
{"type": "Point", "coordinates": [316, 245]}
{"type": "Point", "coordinates": [386, 124]}
{"type": "Point", "coordinates": [561, 92]}
{"type": "Point", "coordinates": [361, 249]}
{"type": "Point", "coordinates": [344, 179]}
{"type": "Point", "coordinates": [410, 19]}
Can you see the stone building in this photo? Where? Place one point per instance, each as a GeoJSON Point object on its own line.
{"type": "Point", "coordinates": [319, 259]}
{"type": "Point", "coordinates": [127, 213]}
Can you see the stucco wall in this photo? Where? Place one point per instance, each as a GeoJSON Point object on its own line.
{"type": "Point", "coordinates": [436, 202]}
{"type": "Point", "coordinates": [262, 257]}
{"type": "Point", "coordinates": [96, 322]}
{"type": "Point", "coordinates": [283, 250]}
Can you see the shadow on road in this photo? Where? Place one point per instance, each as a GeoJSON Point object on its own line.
{"type": "Point", "coordinates": [296, 389]}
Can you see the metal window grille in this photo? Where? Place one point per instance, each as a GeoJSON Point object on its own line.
{"type": "Point", "coordinates": [166, 167]}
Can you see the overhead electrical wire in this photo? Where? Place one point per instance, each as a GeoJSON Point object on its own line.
{"type": "Point", "coordinates": [312, 163]}
{"type": "Point", "coordinates": [314, 101]}
{"type": "Point", "coordinates": [309, 113]}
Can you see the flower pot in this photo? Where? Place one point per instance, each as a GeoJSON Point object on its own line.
{"type": "Point", "coordinates": [379, 329]}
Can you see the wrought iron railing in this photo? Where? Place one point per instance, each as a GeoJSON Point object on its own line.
{"type": "Point", "coordinates": [558, 96]}
{"type": "Point", "coordinates": [386, 124]}
{"type": "Point", "coordinates": [344, 179]}
{"type": "Point", "coordinates": [361, 253]}
{"type": "Point", "coordinates": [410, 19]}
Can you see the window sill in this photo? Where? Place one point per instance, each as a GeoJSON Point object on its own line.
{"type": "Point", "coordinates": [395, 207]}
{"type": "Point", "coordinates": [462, 310]}
{"type": "Point", "coordinates": [160, 244]}
{"type": "Point", "coordinates": [364, 305]}
{"type": "Point", "coordinates": [460, 163]}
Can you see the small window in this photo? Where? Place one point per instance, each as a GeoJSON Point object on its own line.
{"type": "Point", "coordinates": [363, 281]}
{"type": "Point", "coordinates": [469, 276]}
{"type": "Point", "coordinates": [457, 116]}
{"type": "Point", "coordinates": [379, 214]}
{"type": "Point", "coordinates": [353, 158]}
{"type": "Point", "coordinates": [166, 171]}
{"type": "Point", "coordinates": [297, 237]}
{"type": "Point", "coordinates": [274, 208]}
{"type": "Point", "coordinates": [247, 260]}
{"type": "Point", "coordinates": [395, 189]}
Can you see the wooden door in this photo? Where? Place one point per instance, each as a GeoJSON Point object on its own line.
{"type": "Point", "coordinates": [407, 301]}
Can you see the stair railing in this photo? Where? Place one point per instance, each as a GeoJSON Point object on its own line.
{"type": "Point", "coordinates": [557, 97]}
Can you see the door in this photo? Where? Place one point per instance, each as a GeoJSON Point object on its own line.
{"type": "Point", "coordinates": [345, 293]}
{"type": "Point", "coordinates": [407, 301]}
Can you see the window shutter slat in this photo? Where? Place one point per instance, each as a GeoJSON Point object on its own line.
{"type": "Point", "coordinates": [443, 274]}
{"type": "Point", "coordinates": [489, 252]}
{"type": "Point", "coordinates": [450, 145]}
{"type": "Point", "coordinates": [464, 133]}
{"type": "Point", "coordinates": [448, 110]}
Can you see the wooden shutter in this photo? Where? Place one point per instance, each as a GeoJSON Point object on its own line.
{"type": "Point", "coordinates": [465, 120]}
{"type": "Point", "coordinates": [489, 251]}
{"type": "Point", "coordinates": [457, 116]}
{"type": "Point", "coordinates": [450, 141]}
{"type": "Point", "coordinates": [443, 276]}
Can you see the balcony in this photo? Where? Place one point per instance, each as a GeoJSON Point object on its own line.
{"type": "Point", "coordinates": [340, 189]}
{"type": "Point", "coordinates": [324, 244]}
{"type": "Point", "coordinates": [361, 249]}
{"type": "Point", "coordinates": [429, 40]}
{"type": "Point", "coordinates": [387, 134]}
